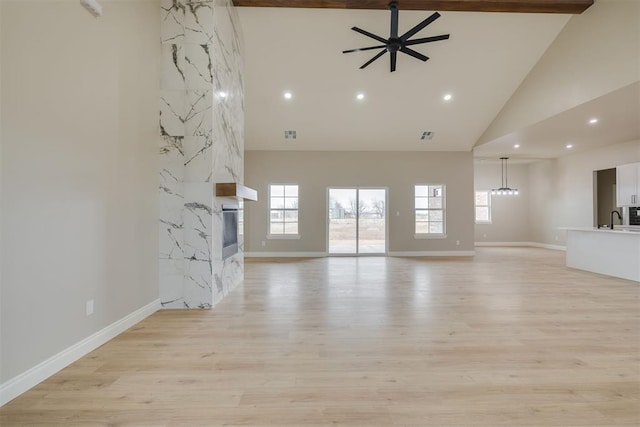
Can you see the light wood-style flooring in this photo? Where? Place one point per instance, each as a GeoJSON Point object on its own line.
{"type": "Point", "coordinates": [509, 337]}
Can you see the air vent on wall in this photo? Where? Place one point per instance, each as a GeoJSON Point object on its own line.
{"type": "Point", "coordinates": [290, 134]}
{"type": "Point", "coordinates": [427, 135]}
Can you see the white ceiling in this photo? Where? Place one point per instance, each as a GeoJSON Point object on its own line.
{"type": "Point", "coordinates": [618, 115]}
{"type": "Point", "coordinates": [299, 50]}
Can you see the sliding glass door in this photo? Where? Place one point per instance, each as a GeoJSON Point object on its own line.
{"type": "Point", "coordinates": [357, 221]}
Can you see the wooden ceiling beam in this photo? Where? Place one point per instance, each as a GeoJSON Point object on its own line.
{"type": "Point", "coordinates": [518, 6]}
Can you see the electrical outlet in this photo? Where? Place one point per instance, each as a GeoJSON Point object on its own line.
{"type": "Point", "coordinates": [89, 307]}
{"type": "Point", "coordinates": [556, 237]}
{"type": "Point", "coordinates": [484, 235]}
{"type": "Point", "coordinates": [397, 213]}
{"type": "Point", "coordinates": [457, 242]}
{"type": "Point", "coordinates": [264, 243]}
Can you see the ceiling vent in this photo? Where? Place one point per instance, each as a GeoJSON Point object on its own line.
{"type": "Point", "coordinates": [427, 135]}
{"type": "Point", "coordinates": [290, 134]}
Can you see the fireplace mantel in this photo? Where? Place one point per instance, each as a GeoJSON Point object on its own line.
{"type": "Point", "coordinates": [233, 189]}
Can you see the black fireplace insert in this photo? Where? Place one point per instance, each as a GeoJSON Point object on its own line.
{"type": "Point", "coordinates": [229, 230]}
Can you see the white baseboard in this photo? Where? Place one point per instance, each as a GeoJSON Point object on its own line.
{"type": "Point", "coordinates": [32, 377]}
{"type": "Point", "coordinates": [522, 244]}
{"type": "Point", "coordinates": [407, 253]}
{"type": "Point", "coordinates": [285, 254]}
{"type": "Point", "coordinates": [547, 246]}
{"type": "Point", "coordinates": [502, 244]}
{"type": "Point", "coordinates": [324, 254]}
{"type": "Point", "coordinates": [432, 253]}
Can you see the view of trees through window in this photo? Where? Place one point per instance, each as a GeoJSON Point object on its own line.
{"type": "Point", "coordinates": [357, 216]}
{"type": "Point", "coordinates": [357, 220]}
{"type": "Point", "coordinates": [371, 209]}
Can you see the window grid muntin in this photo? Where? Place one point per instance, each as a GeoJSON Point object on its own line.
{"type": "Point", "coordinates": [429, 204]}
{"type": "Point", "coordinates": [482, 205]}
{"type": "Point", "coordinates": [283, 209]}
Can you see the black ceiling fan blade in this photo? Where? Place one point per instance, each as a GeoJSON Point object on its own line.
{"type": "Point", "coordinates": [364, 48]}
{"type": "Point", "coordinates": [426, 40]}
{"type": "Point", "coordinates": [373, 59]}
{"type": "Point", "coordinates": [394, 20]}
{"type": "Point", "coordinates": [397, 43]}
{"type": "Point", "coordinates": [368, 34]}
{"type": "Point", "coordinates": [420, 26]}
{"type": "Point", "coordinates": [413, 53]}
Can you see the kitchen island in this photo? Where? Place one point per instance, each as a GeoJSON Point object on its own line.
{"type": "Point", "coordinates": [612, 252]}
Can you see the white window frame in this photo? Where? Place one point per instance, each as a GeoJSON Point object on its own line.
{"type": "Point", "coordinates": [442, 235]}
{"type": "Point", "coordinates": [476, 206]}
{"type": "Point", "coordinates": [269, 209]}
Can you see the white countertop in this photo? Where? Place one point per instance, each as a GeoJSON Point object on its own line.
{"type": "Point", "coordinates": [606, 230]}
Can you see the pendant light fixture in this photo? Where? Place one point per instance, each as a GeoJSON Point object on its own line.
{"type": "Point", "coordinates": [504, 189]}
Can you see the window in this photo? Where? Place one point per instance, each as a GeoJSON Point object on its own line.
{"type": "Point", "coordinates": [483, 207]}
{"type": "Point", "coordinates": [283, 209]}
{"type": "Point", "coordinates": [429, 205]}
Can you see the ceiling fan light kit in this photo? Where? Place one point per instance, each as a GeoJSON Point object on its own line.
{"type": "Point", "coordinates": [395, 43]}
{"type": "Point", "coordinates": [504, 189]}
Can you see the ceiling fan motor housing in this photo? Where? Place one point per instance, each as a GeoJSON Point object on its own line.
{"type": "Point", "coordinates": [394, 45]}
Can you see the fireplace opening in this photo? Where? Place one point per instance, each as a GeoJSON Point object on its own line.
{"type": "Point", "coordinates": [229, 230]}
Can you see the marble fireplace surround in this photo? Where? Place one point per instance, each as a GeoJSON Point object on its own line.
{"type": "Point", "coordinates": [201, 143]}
{"type": "Point", "coordinates": [234, 232]}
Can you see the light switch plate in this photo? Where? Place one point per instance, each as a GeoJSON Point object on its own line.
{"type": "Point", "coordinates": [89, 307]}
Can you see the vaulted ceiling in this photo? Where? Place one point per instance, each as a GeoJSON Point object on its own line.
{"type": "Point", "coordinates": [300, 51]}
{"type": "Point", "coordinates": [295, 46]}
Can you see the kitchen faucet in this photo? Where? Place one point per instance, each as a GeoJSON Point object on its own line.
{"type": "Point", "coordinates": [611, 222]}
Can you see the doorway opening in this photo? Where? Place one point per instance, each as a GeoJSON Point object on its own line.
{"type": "Point", "coordinates": [604, 197]}
{"type": "Point", "coordinates": [357, 221]}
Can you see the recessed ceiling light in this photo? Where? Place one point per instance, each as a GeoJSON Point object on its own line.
{"type": "Point", "coordinates": [447, 97]}
{"type": "Point", "coordinates": [360, 96]}
{"type": "Point", "coordinates": [516, 146]}
{"type": "Point", "coordinates": [593, 121]}
{"type": "Point", "coordinates": [288, 95]}
{"type": "Point", "coordinates": [569, 146]}
{"type": "Point", "coordinates": [222, 94]}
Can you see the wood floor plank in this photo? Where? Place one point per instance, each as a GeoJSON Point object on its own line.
{"type": "Point", "coordinates": [508, 337]}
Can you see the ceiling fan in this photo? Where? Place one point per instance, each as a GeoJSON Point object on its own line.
{"type": "Point", "coordinates": [397, 43]}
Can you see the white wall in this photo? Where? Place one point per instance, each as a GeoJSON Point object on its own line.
{"type": "Point", "coordinates": [314, 172]}
{"type": "Point", "coordinates": [562, 189]}
{"type": "Point", "coordinates": [79, 182]}
{"type": "Point", "coordinates": [592, 56]}
{"type": "Point", "coordinates": [510, 214]}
